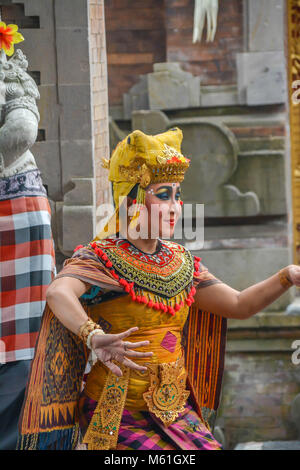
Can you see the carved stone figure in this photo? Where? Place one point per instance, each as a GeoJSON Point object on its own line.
{"type": "Point", "coordinates": [19, 115]}
{"type": "Point", "coordinates": [27, 260]}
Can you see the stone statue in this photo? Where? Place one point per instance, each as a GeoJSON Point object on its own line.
{"type": "Point", "coordinates": [19, 115]}
{"type": "Point", "coordinates": [27, 259]}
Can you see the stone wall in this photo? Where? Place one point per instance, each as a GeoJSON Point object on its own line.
{"type": "Point", "coordinates": [213, 62]}
{"type": "Point", "coordinates": [260, 380]}
{"type": "Point", "coordinates": [65, 47]}
{"type": "Point", "coordinates": [135, 34]}
{"type": "Point", "coordinates": [99, 92]}
{"type": "Point", "coordinates": [140, 34]}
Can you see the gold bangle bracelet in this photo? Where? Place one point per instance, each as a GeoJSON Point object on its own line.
{"type": "Point", "coordinates": [86, 328]}
{"type": "Point", "coordinates": [284, 280]}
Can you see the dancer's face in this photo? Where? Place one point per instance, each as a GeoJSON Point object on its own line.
{"type": "Point", "coordinates": [163, 208]}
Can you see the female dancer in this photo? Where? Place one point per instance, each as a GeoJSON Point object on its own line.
{"type": "Point", "coordinates": [150, 311]}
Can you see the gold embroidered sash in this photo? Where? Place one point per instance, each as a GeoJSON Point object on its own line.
{"type": "Point", "coordinates": [165, 397]}
{"type": "Point", "coordinates": [102, 433]}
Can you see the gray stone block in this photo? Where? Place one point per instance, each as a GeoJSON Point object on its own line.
{"type": "Point", "coordinates": [213, 150]}
{"type": "Point", "coordinates": [249, 446]}
{"type": "Point", "coordinates": [260, 91]}
{"type": "Point", "coordinates": [263, 172]}
{"type": "Point", "coordinates": [34, 47]}
{"type": "Point", "coordinates": [261, 78]}
{"type": "Point", "coordinates": [211, 95]}
{"type": "Point", "coordinates": [49, 111]}
{"type": "Point", "coordinates": [77, 160]}
{"type": "Point", "coordinates": [294, 307]}
{"type": "Point", "coordinates": [295, 413]}
{"type": "Point", "coordinates": [37, 8]}
{"type": "Point", "coordinates": [150, 122]}
{"type": "Point", "coordinates": [269, 445]}
{"type": "Point", "coordinates": [82, 194]}
{"type": "Point", "coordinates": [73, 56]}
{"type": "Point", "coordinates": [136, 98]}
{"type": "Point", "coordinates": [266, 21]}
{"type": "Point", "coordinates": [78, 226]}
{"type": "Point", "coordinates": [47, 156]}
{"type": "Point", "coordinates": [115, 134]}
{"type": "Point", "coordinates": [70, 13]}
{"type": "Point", "coordinates": [171, 88]}
{"type": "Point", "coordinates": [75, 118]}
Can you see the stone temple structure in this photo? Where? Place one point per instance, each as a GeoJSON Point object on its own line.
{"type": "Point", "coordinates": [231, 98]}
{"type": "Point", "coordinates": [65, 46]}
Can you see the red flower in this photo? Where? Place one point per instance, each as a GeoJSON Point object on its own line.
{"type": "Point", "coordinates": [8, 37]}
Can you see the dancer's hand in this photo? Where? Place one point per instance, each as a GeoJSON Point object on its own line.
{"type": "Point", "coordinates": [293, 273]}
{"type": "Point", "coordinates": [111, 347]}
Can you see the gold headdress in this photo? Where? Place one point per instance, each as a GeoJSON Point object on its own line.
{"type": "Point", "coordinates": [143, 159]}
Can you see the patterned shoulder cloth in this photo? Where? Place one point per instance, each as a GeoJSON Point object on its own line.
{"type": "Point", "coordinates": [204, 340]}
{"type": "Point", "coordinates": [86, 266]}
{"type": "Point", "coordinates": [48, 418]}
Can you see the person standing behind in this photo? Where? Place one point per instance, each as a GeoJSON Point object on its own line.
{"type": "Point", "coordinates": [27, 258]}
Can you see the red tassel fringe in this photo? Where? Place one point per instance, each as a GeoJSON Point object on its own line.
{"type": "Point", "coordinates": [129, 286]}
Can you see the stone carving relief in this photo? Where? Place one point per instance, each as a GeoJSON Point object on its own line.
{"type": "Point", "coordinates": [137, 97]}
{"type": "Point", "coordinates": [213, 151]}
{"type": "Point", "coordinates": [168, 87]}
{"type": "Point", "coordinates": [19, 115]}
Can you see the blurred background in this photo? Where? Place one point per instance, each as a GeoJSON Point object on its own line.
{"type": "Point", "coordinates": [222, 71]}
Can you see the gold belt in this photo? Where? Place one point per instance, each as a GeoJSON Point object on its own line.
{"type": "Point", "coordinates": [165, 398]}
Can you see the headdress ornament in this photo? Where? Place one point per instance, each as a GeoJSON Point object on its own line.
{"type": "Point", "coordinates": [143, 159]}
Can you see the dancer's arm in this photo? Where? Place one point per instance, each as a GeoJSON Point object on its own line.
{"type": "Point", "coordinates": [63, 298]}
{"type": "Point", "coordinates": [223, 300]}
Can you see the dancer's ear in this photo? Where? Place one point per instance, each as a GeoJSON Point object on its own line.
{"type": "Point", "coordinates": [129, 201]}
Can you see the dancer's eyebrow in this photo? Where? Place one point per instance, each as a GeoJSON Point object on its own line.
{"type": "Point", "coordinates": [168, 188]}
{"type": "Point", "coordinates": [163, 188]}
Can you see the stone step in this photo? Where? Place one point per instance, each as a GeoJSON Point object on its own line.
{"type": "Point", "coordinates": [269, 445]}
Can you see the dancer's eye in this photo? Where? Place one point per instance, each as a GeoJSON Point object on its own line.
{"type": "Point", "coordinates": [164, 195]}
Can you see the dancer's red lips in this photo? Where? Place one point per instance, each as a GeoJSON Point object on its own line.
{"type": "Point", "coordinates": [171, 221]}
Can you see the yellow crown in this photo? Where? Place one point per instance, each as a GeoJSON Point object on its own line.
{"type": "Point", "coordinates": [142, 159]}
{"type": "Point", "coordinates": [147, 159]}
